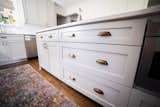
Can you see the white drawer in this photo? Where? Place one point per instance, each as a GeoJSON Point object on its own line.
{"type": "Point", "coordinates": [105, 92]}
{"type": "Point", "coordinates": [48, 36]}
{"type": "Point", "coordinates": [120, 65]}
{"type": "Point", "coordinates": [129, 32]}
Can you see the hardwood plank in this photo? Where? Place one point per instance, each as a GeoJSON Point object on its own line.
{"type": "Point", "coordinates": [80, 99]}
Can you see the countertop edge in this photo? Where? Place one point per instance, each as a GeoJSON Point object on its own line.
{"type": "Point", "coordinates": [135, 14]}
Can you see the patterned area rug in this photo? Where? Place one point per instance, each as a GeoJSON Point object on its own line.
{"type": "Point", "coordinates": [22, 86]}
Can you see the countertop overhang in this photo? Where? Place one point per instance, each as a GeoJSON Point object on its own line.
{"type": "Point", "coordinates": [155, 10]}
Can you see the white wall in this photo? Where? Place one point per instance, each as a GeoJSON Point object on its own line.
{"type": "Point", "coordinates": [99, 8]}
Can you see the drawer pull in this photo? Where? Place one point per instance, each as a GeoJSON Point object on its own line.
{"type": "Point", "coordinates": [72, 78]}
{"type": "Point", "coordinates": [104, 34]}
{"type": "Point", "coordinates": [103, 62]}
{"type": "Point", "coordinates": [99, 91]}
{"type": "Point", "coordinates": [41, 37]}
{"type": "Point", "coordinates": [72, 55]}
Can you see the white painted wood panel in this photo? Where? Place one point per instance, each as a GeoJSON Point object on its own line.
{"type": "Point", "coordinates": [17, 50]}
{"type": "Point", "coordinates": [122, 60]}
{"type": "Point", "coordinates": [12, 48]}
{"type": "Point", "coordinates": [114, 95]}
{"type": "Point", "coordinates": [54, 59]}
{"type": "Point", "coordinates": [128, 32]}
{"type": "Point", "coordinates": [3, 52]}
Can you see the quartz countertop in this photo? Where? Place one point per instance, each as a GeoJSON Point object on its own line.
{"type": "Point", "coordinates": [128, 15]}
{"type": "Point", "coordinates": [25, 29]}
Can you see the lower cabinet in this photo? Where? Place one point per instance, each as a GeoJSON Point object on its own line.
{"type": "Point", "coordinates": [99, 60]}
{"type": "Point", "coordinates": [17, 50]}
{"type": "Point", "coordinates": [12, 49]}
{"type": "Point", "coordinates": [3, 53]}
{"type": "Point", "coordinates": [49, 57]}
{"type": "Point", "coordinates": [141, 99]}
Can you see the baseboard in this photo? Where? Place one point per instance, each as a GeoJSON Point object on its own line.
{"type": "Point", "coordinates": [13, 63]}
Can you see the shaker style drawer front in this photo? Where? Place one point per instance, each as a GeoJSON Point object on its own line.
{"type": "Point", "coordinates": [107, 93]}
{"type": "Point", "coordinates": [120, 32]}
{"type": "Point", "coordinates": [101, 61]}
{"type": "Point", "coordinates": [49, 36]}
{"type": "Point", "coordinates": [111, 62]}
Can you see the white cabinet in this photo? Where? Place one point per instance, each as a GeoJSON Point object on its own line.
{"type": "Point", "coordinates": [17, 50]}
{"type": "Point", "coordinates": [12, 48]}
{"type": "Point", "coordinates": [99, 60]}
{"type": "Point", "coordinates": [3, 52]}
{"type": "Point", "coordinates": [141, 99]}
{"type": "Point", "coordinates": [39, 12]}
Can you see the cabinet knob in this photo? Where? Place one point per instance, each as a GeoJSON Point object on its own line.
{"type": "Point", "coordinates": [50, 36]}
{"type": "Point", "coordinates": [101, 61]}
{"type": "Point", "coordinates": [98, 91]}
{"type": "Point", "coordinates": [72, 55]}
{"type": "Point", "coordinates": [104, 34]}
{"type": "Point", "coordinates": [72, 78]}
{"type": "Point", "coordinates": [73, 35]}
{"type": "Point", "coordinates": [41, 37]}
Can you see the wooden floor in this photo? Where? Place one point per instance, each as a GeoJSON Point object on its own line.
{"type": "Point", "coordinates": [80, 99]}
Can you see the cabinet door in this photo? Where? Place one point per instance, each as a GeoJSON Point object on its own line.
{"type": "Point", "coordinates": [3, 52]}
{"type": "Point", "coordinates": [43, 55]}
{"type": "Point", "coordinates": [17, 50]}
{"type": "Point", "coordinates": [54, 59]}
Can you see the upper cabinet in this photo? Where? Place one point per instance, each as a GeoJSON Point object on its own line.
{"type": "Point", "coordinates": [39, 12]}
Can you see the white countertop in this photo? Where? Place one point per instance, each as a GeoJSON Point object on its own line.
{"type": "Point", "coordinates": [136, 14]}
{"type": "Point", "coordinates": [25, 29]}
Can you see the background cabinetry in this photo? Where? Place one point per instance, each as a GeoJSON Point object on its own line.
{"type": "Point", "coordinates": [39, 12]}
{"type": "Point", "coordinates": [3, 52]}
{"type": "Point", "coordinates": [12, 48]}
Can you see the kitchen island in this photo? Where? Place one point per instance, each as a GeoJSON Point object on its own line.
{"type": "Point", "coordinates": [98, 57]}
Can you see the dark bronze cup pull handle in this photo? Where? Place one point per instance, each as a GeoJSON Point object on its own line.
{"type": "Point", "coordinates": [99, 91]}
{"type": "Point", "coordinates": [104, 34]}
{"type": "Point", "coordinates": [101, 61]}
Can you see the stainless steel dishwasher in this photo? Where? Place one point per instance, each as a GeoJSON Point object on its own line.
{"type": "Point", "coordinates": [31, 46]}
